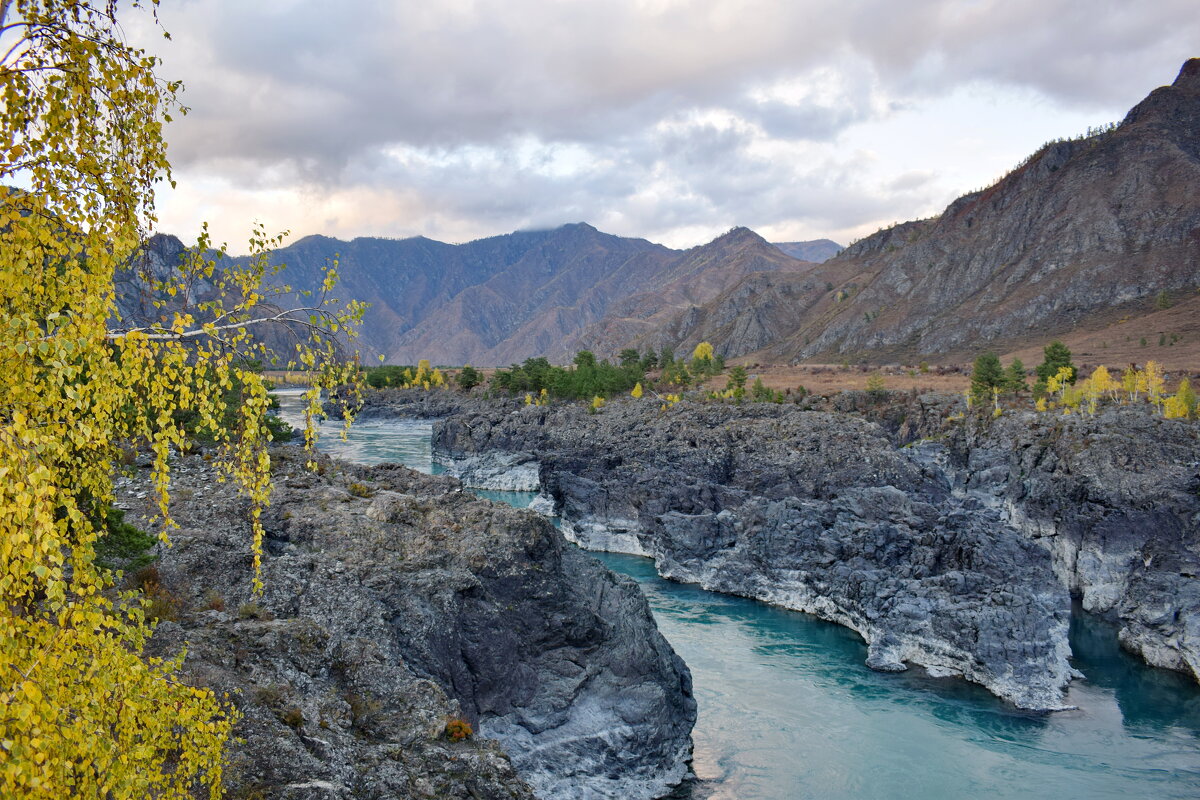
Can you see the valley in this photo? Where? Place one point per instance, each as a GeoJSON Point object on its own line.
{"type": "Point", "coordinates": [597, 437]}
{"type": "Point", "coordinates": [766, 678]}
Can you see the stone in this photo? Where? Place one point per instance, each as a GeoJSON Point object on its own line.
{"type": "Point", "coordinates": [385, 616]}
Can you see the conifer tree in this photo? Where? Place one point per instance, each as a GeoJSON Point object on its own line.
{"type": "Point", "coordinates": [736, 384]}
{"type": "Point", "coordinates": [986, 375]}
{"type": "Point", "coordinates": [1056, 356]}
{"type": "Point", "coordinates": [1014, 377]}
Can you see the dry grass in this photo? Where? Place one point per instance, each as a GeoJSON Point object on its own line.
{"type": "Point", "coordinates": [825, 379]}
{"type": "Point", "coordinates": [828, 379]}
{"type": "Point", "coordinates": [1114, 340]}
{"type": "Point", "coordinates": [1117, 343]}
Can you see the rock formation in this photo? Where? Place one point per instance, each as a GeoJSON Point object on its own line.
{"type": "Point", "coordinates": [959, 552]}
{"type": "Point", "coordinates": [394, 602]}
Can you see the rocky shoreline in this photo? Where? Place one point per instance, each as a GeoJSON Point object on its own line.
{"type": "Point", "coordinates": [956, 545]}
{"type": "Point", "coordinates": [394, 604]}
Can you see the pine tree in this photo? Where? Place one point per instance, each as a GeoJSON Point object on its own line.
{"type": "Point", "coordinates": [736, 384]}
{"type": "Point", "coordinates": [986, 375]}
{"type": "Point", "coordinates": [1014, 377]}
{"type": "Point", "coordinates": [1056, 356]}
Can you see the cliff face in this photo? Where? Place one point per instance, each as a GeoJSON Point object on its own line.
{"type": "Point", "coordinates": [1115, 500]}
{"type": "Point", "coordinates": [959, 554]}
{"type": "Point", "coordinates": [384, 615]}
{"type": "Point", "coordinates": [1085, 225]}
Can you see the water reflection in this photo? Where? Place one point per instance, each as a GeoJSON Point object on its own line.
{"type": "Point", "coordinates": [1143, 696]}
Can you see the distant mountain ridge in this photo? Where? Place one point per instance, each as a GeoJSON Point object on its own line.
{"type": "Point", "coordinates": [817, 250]}
{"type": "Point", "coordinates": [502, 299]}
{"type": "Point", "coordinates": [699, 275]}
{"type": "Point", "coordinates": [1083, 227]}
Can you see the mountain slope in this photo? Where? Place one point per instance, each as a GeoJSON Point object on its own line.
{"type": "Point", "coordinates": [696, 278]}
{"type": "Point", "coordinates": [1082, 226]}
{"type": "Point", "coordinates": [555, 288]}
{"type": "Point", "coordinates": [817, 250]}
{"type": "Point", "coordinates": [506, 298]}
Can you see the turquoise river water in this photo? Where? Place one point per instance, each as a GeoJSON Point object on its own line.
{"type": "Point", "coordinates": [787, 708]}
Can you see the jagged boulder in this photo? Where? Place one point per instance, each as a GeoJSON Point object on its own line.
{"type": "Point", "coordinates": [395, 603]}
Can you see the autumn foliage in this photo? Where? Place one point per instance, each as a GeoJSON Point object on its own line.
{"type": "Point", "coordinates": [82, 712]}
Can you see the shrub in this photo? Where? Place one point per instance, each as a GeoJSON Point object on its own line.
{"type": "Point", "coordinates": [213, 601]}
{"type": "Point", "coordinates": [161, 604]}
{"type": "Point", "coordinates": [121, 545]}
{"type": "Point", "coordinates": [271, 695]}
{"type": "Point", "coordinates": [468, 378]}
{"type": "Point", "coordinates": [458, 729]}
{"type": "Point", "coordinates": [293, 718]}
{"type": "Point", "coordinates": [253, 610]}
{"type": "Point", "coordinates": [360, 490]}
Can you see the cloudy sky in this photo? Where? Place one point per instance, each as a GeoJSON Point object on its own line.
{"type": "Point", "coordinates": [672, 120]}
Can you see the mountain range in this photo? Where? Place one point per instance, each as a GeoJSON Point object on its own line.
{"type": "Point", "coordinates": [1085, 232]}
{"type": "Point", "coordinates": [503, 299]}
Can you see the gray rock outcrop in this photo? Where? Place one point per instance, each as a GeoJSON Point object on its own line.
{"type": "Point", "coordinates": [959, 554]}
{"type": "Point", "coordinates": [395, 602]}
{"type": "Point", "coordinates": [1115, 500]}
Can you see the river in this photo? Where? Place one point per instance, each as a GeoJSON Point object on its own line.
{"type": "Point", "coordinates": [788, 709]}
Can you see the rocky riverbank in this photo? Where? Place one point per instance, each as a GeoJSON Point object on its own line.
{"type": "Point", "coordinates": [951, 544]}
{"type": "Point", "coordinates": [395, 604]}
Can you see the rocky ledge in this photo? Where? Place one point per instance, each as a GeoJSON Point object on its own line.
{"type": "Point", "coordinates": [394, 604]}
{"type": "Point", "coordinates": [1115, 501]}
{"type": "Point", "coordinates": [959, 552]}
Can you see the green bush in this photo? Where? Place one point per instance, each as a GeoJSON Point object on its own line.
{"type": "Point", "coordinates": [122, 546]}
{"type": "Point", "coordinates": [587, 378]}
{"type": "Point", "coordinates": [468, 378]}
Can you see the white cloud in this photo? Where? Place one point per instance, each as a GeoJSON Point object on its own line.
{"type": "Point", "coordinates": [670, 119]}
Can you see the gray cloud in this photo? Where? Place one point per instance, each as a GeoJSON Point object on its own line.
{"type": "Point", "coordinates": [666, 94]}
